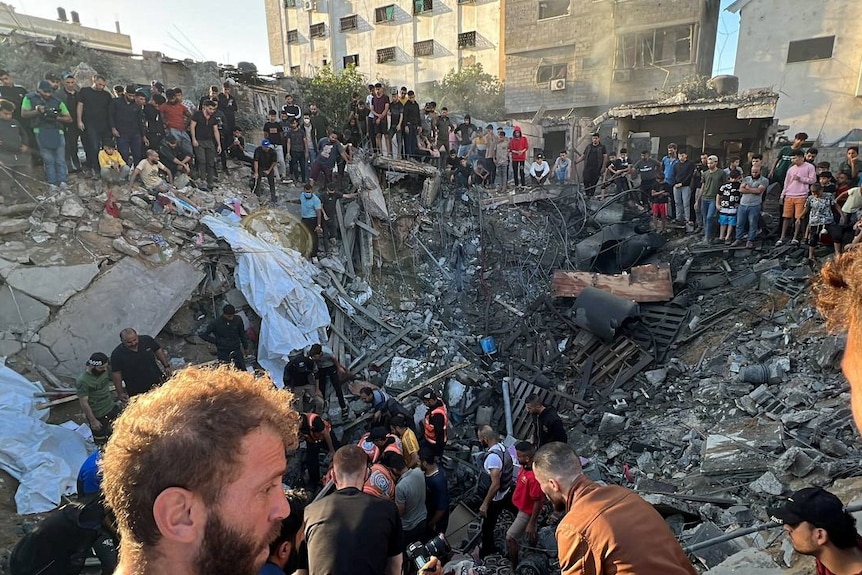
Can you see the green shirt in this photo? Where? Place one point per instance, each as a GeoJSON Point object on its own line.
{"type": "Point", "coordinates": [27, 104]}
{"type": "Point", "coordinates": [712, 182]}
{"type": "Point", "coordinates": [98, 389]}
{"type": "Point", "coordinates": [785, 160]}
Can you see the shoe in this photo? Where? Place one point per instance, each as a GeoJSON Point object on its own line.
{"type": "Point", "coordinates": [779, 243]}
{"type": "Point", "coordinates": [794, 242]}
{"type": "Point", "coordinates": [728, 242]}
{"type": "Point", "coordinates": [736, 243]}
{"type": "Point", "coordinates": [64, 186]}
{"type": "Point", "coordinates": [749, 245]}
{"type": "Point", "coordinates": [52, 189]}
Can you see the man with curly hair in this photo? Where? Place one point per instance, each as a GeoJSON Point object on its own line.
{"type": "Point", "coordinates": [193, 473]}
{"type": "Point", "coordinates": [839, 300]}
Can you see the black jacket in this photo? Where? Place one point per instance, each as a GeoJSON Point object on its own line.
{"type": "Point", "coordinates": [548, 427]}
{"type": "Point", "coordinates": [683, 172]}
{"type": "Point", "coordinates": [126, 117]}
{"type": "Point", "coordinates": [226, 334]}
{"type": "Point", "coordinates": [412, 117]}
{"type": "Point", "coordinates": [12, 137]}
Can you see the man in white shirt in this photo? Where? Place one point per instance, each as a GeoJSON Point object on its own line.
{"type": "Point", "coordinates": [539, 171]}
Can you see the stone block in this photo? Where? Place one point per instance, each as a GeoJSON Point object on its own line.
{"type": "Point", "coordinates": [72, 208]}
{"type": "Point", "coordinates": [125, 247]}
{"type": "Point", "coordinates": [21, 312]}
{"type": "Point", "coordinates": [52, 285]}
{"type": "Point", "coordinates": [14, 226]}
{"type": "Point", "coordinates": [110, 227]}
{"type": "Point", "coordinates": [739, 446]}
{"type": "Point", "coordinates": [767, 484]}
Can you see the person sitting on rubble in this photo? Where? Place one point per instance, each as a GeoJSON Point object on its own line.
{"type": "Point", "coordinates": [47, 115]}
{"type": "Point", "coordinates": [178, 162]}
{"type": "Point", "coordinates": [14, 153]}
{"type": "Point", "coordinates": [264, 164]}
{"type": "Point", "coordinates": [384, 406]}
{"type": "Point", "coordinates": [818, 525]}
{"type": "Point", "coordinates": [299, 377]}
{"type": "Point", "coordinates": [403, 429]}
{"type": "Point", "coordinates": [563, 167]}
{"type": "Point", "coordinates": [539, 171]}
{"type": "Point", "coordinates": [111, 163]}
{"type": "Point", "coordinates": [150, 170]}
{"type": "Point", "coordinates": [546, 423]}
{"type": "Point", "coordinates": [236, 150]}
{"type": "Point", "coordinates": [227, 332]}
{"type": "Point", "coordinates": [435, 425]}
{"type": "Point", "coordinates": [462, 174]}
{"type": "Point", "coordinates": [481, 176]}
{"type": "Point", "coordinates": [94, 390]}
{"type": "Point", "coordinates": [317, 434]}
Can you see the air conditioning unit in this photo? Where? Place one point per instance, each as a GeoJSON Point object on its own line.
{"type": "Point", "coordinates": [622, 75]}
{"type": "Point", "coordinates": [308, 5]}
{"type": "Point", "coordinates": [558, 84]}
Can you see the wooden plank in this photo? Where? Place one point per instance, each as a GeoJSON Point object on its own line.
{"type": "Point", "coordinates": [53, 380]}
{"type": "Point", "coordinates": [406, 166]}
{"type": "Point", "coordinates": [647, 283]}
{"type": "Point", "coordinates": [346, 239]}
{"type": "Point", "coordinates": [512, 199]}
{"type": "Point", "coordinates": [367, 228]}
{"type": "Point", "coordinates": [60, 401]}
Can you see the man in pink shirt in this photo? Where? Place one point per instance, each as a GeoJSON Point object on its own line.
{"type": "Point", "coordinates": [528, 498]}
{"type": "Point", "coordinates": [799, 176]}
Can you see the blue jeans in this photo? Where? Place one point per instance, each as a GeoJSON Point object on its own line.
{"type": "Point", "coordinates": [184, 141]}
{"type": "Point", "coordinates": [130, 145]}
{"type": "Point", "coordinates": [561, 175]}
{"type": "Point", "coordinates": [707, 212]}
{"type": "Point", "coordinates": [463, 149]}
{"type": "Point", "coordinates": [747, 220]}
{"type": "Point", "coordinates": [54, 162]}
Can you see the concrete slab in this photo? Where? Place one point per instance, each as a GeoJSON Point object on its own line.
{"type": "Point", "coordinates": [6, 267]}
{"type": "Point", "coordinates": [41, 355]}
{"type": "Point", "coordinates": [9, 347]}
{"type": "Point", "coordinates": [20, 312]}
{"type": "Point", "coordinates": [53, 285]}
{"type": "Point", "coordinates": [749, 562]}
{"type": "Point", "coordinates": [743, 446]}
{"type": "Point", "coordinates": [129, 294]}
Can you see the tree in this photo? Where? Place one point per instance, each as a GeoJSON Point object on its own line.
{"type": "Point", "coordinates": [473, 90]}
{"type": "Point", "coordinates": [331, 91]}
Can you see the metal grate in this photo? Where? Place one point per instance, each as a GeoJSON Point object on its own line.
{"type": "Point", "coordinates": [423, 48]}
{"type": "Point", "coordinates": [522, 422]}
{"type": "Point", "coordinates": [386, 55]}
{"type": "Point", "coordinates": [467, 39]}
{"type": "Point", "coordinates": [384, 14]}
{"type": "Point", "coordinates": [348, 23]}
{"type": "Point", "coordinates": [317, 30]}
{"type": "Point", "coordinates": [292, 36]}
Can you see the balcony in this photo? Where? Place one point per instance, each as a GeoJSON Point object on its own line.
{"type": "Point", "coordinates": [385, 55]}
{"type": "Point", "coordinates": [317, 30]}
{"type": "Point", "coordinates": [348, 23]}
{"type": "Point", "coordinates": [423, 48]}
{"type": "Point", "coordinates": [467, 40]}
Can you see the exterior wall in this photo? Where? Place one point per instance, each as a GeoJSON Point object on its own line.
{"type": "Point", "coordinates": [442, 24]}
{"type": "Point", "coordinates": [11, 21]}
{"type": "Point", "coordinates": [586, 42]}
{"type": "Point", "coordinates": [821, 97]}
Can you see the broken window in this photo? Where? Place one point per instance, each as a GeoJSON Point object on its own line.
{"type": "Point", "coordinates": [467, 39]}
{"type": "Point", "coordinates": [384, 14]}
{"type": "Point", "coordinates": [348, 23]}
{"type": "Point", "coordinates": [385, 55]}
{"type": "Point", "coordinates": [422, 6]}
{"type": "Point", "coordinates": [295, 70]}
{"type": "Point", "coordinates": [292, 36]}
{"type": "Point", "coordinates": [810, 49]}
{"type": "Point", "coordinates": [658, 47]}
{"type": "Point", "coordinates": [423, 48]}
{"type": "Point", "coordinates": [547, 72]}
{"type": "Point", "coordinates": [317, 30]}
{"type": "Point", "coordinates": [553, 8]}
{"type": "Point", "coordinates": [353, 60]}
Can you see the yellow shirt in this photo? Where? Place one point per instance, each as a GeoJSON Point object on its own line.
{"type": "Point", "coordinates": [110, 160]}
{"type": "Point", "coordinates": [409, 444]}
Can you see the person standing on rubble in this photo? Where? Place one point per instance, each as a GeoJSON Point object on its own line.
{"type": "Point", "coordinates": [819, 526]}
{"type": "Point", "coordinates": [495, 481]}
{"type": "Point", "coordinates": [435, 426]}
{"type": "Point", "coordinates": [546, 422]}
{"type": "Point", "coordinates": [128, 125]}
{"type": "Point", "coordinates": [299, 377]}
{"type": "Point", "coordinates": [328, 370]}
{"type": "Point", "coordinates": [14, 153]}
{"type": "Point", "coordinates": [311, 211]}
{"type": "Point", "coordinates": [69, 96]}
{"type": "Point", "coordinates": [528, 498]}
{"type": "Point", "coordinates": [328, 201]}
{"type": "Point", "coordinates": [317, 434]}
{"type": "Point", "coordinates": [607, 528]}
{"type": "Point", "coordinates": [93, 388]}
{"type": "Point", "coordinates": [135, 362]}
{"type": "Point", "coordinates": [47, 115]}
{"type": "Point", "coordinates": [94, 121]}
{"type": "Point", "coordinates": [227, 332]}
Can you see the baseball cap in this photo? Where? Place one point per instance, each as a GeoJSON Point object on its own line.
{"type": "Point", "coordinates": [812, 504]}
{"type": "Point", "coordinates": [427, 393]}
{"type": "Point", "coordinates": [540, 155]}
{"type": "Point", "coordinates": [266, 143]}
{"type": "Point", "coordinates": [45, 86]}
{"type": "Point", "coordinates": [52, 77]}
{"type": "Point", "coordinates": [98, 359]}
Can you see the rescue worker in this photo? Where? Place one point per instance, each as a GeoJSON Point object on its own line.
{"type": "Point", "coordinates": [385, 407]}
{"type": "Point", "coordinates": [377, 442]}
{"type": "Point", "coordinates": [380, 482]}
{"type": "Point", "coordinates": [435, 426]}
{"type": "Point", "coordinates": [317, 433]}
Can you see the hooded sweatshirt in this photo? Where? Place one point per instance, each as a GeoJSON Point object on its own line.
{"type": "Point", "coordinates": [518, 145]}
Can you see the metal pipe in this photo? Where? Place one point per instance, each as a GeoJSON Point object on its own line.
{"type": "Point", "coordinates": [507, 406]}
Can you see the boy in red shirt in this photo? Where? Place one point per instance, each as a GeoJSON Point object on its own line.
{"type": "Point", "coordinates": [528, 498]}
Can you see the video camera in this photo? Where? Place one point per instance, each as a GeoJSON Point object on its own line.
{"type": "Point", "coordinates": [51, 113]}
{"type": "Point", "coordinates": [420, 554]}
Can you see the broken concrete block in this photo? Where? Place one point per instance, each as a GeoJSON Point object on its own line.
{"type": "Point", "coordinates": [796, 461]}
{"type": "Point", "coordinates": [185, 224]}
{"type": "Point", "coordinates": [110, 227]}
{"type": "Point", "coordinates": [125, 247]}
{"type": "Point", "coordinates": [49, 227]}
{"type": "Point", "coordinates": [830, 351]}
{"type": "Point", "coordinates": [9, 347]}
{"type": "Point", "coordinates": [149, 249]}
{"type": "Point", "coordinates": [21, 312]}
{"type": "Point", "coordinates": [72, 208]}
{"type": "Point", "coordinates": [714, 555]}
{"type": "Point", "coordinates": [834, 447]}
{"type": "Point", "coordinates": [656, 376]}
{"type": "Point", "coordinates": [646, 463]}
{"type": "Point", "coordinates": [52, 285]}
{"type": "Point", "coordinates": [14, 226]}
{"type": "Point", "coordinates": [739, 446]}
{"type": "Point", "coordinates": [748, 561]}
{"type": "Point", "coordinates": [768, 484]}
{"type": "Point", "coordinates": [612, 423]}
{"type": "Point", "coordinates": [140, 202]}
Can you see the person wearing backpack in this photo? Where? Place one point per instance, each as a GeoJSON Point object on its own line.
{"type": "Point", "coordinates": [496, 480]}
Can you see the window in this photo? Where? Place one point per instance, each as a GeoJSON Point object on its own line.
{"type": "Point", "coordinates": [290, 3]}
{"type": "Point", "coordinates": [659, 47]}
{"type": "Point", "coordinates": [553, 8]}
{"type": "Point", "coordinates": [352, 60]}
{"type": "Point", "coordinates": [811, 49]}
{"type": "Point", "coordinates": [423, 48]}
{"type": "Point", "coordinates": [422, 6]}
{"type": "Point", "coordinates": [384, 14]}
{"type": "Point", "coordinates": [348, 23]}
{"type": "Point", "coordinates": [467, 39]}
{"type": "Point", "coordinates": [386, 55]}
{"type": "Point", "coordinates": [295, 70]}
{"type": "Point", "coordinates": [292, 36]}
{"type": "Point", "coordinates": [548, 72]}
{"type": "Point", "coordinates": [317, 30]}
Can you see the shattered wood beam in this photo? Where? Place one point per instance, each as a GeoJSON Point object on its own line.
{"type": "Point", "coordinates": [52, 379]}
{"type": "Point", "coordinates": [346, 240]}
{"type": "Point", "coordinates": [542, 194]}
{"type": "Point", "coordinates": [406, 166]}
{"type": "Point", "coordinates": [648, 283]}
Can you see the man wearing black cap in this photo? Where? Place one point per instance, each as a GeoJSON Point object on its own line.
{"type": "Point", "coordinates": [93, 388]}
{"type": "Point", "coordinates": [69, 96]}
{"type": "Point", "coordinates": [539, 171]}
{"type": "Point", "coordinates": [228, 334]}
{"type": "Point", "coordinates": [818, 525]}
{"type": "Point", "coordinates": [47, 116]}
{"type": "Point", "coordinates": [436, 423]}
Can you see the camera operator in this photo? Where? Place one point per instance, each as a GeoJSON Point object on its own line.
{"type": "Point", "coordinates": [48, 114]}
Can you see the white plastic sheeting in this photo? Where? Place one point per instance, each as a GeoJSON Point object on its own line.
{"type": "Point", "coordinates": [278, 284]}
{"type": "Point", "coordinates": [44, 458]}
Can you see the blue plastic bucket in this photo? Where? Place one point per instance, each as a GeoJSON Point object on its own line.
{"type": "Point", "coordinates": [489, 345]}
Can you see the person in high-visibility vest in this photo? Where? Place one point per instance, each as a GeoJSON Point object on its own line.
{"type": "Point", "coordinates": [435, 426]}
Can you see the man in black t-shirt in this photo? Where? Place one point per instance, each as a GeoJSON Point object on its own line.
{"type": "Point", "coordinates": [263, 164]}
{"type": "Point", "coordinates": [93, 116]}
{"type": "Point", "coordinates": [350, 531]}
{"type": "Point", "coordinates": [134, 362]}
{"type": "Point", "coordinates": [330, 218]}
{"type": "Point", "coordinates": [176, 160]}
{"type": "Point", "coordinates": [647, 169]}
{"type": "Point", "coordinates": [299, 377]}
{"type": "Point", "coordinates": [206, 141]}
{"type": "Point", "coordinates": [595, 159]}
{"type": "Point", "coordinates": [273, 130]}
